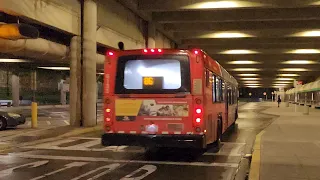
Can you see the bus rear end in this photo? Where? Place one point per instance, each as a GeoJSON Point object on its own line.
{"type": "Point", "coordinates": [148, 100]}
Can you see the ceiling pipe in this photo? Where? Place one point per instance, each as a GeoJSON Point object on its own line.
{"type": "Point", "coordinates": [40, 49]}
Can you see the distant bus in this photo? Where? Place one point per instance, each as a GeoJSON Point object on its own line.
{"type": "Point", "coordinates": [166, 98]}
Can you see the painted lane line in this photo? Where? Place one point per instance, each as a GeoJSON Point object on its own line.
{"type": "Point", "coordinates": [48, 122]}
{"type": "Point", "coordinates": [108, 168]}
{"type": "Point", "coordinates": [65, 121]}
{"type": "Point", "coordinates": [7, 172]}
{"type": "Point", "coordinates": [148, 168]}
{"type": "Point", "coordinates": [94, 159]}
{"type": "Point", "coordinates": [68, 166]}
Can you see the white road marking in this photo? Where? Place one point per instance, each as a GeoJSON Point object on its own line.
{"type": "Point", "coordinates": [7, 172]}
{"type": "Point", "coordinates": [149, 168]}
{"type": "Point", "coordinates": [94, 159]}
{"type": "Point", "coordinates": [79, 147]}
{"type": "Point", "coordinates": [65, 121]}
{"type": "Point", "coordinates": [68, 166]}
{"type": "Point", "coordinates": [108, 168]}
{"type": "Point", "coordinates": [48, 122]}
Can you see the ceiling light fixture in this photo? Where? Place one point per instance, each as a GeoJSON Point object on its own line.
{"type": "Point", "coordinates": [285, 79]}
{"type": "Point", "coordinates": [312, 33]}
{"type": "Point", "coordinates": [299, 62]}
{"type": "Point", "coordinates": [56, 68]}
{"type": "Point", "coordinates": [293, 69]}
{"type": "Point", "coordinates": [243, 62]}
{"type": "Point", "coordinates": [289, 75]}
{"type": "Point", "coordinates": [247, 75]}
{"type": "Point", "coordinates": [304, 51]}
{"type": "Point", "coordinates": [226, 35]}
{"type": "Point", "coordinates": [250, 78]}
{"type": "Point", "coordinates": [13, 60]}
{"type": "Point", "coordinates": [246, 69]}
{"type": "Point", "coordinates": [239, 51]}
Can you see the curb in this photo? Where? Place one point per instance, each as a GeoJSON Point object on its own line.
{"type": "Point", "coordinates": [256, 162]}
{"type": "Point", "coordinates": [81, 131]}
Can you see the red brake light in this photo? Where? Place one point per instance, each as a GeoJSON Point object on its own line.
{"type": "Point", "coordinates": [108, 110]}
{"type": "Point", "coordinates": [198, 120]}
{"type": "Point", "coordinates": [198, 111]}
{"type": "Point", "coordinates": [145, 50]}
{"type": "Point", "coordinates": [159, 50]}
{"type": "Point", "coordinates": [196, 52]}
{"type": "Point", "coordinates": [152, 50]}
{"type": "Point", "coordinates": [108, 119]}
{"type": "Point", "coordinates": [110, 53]}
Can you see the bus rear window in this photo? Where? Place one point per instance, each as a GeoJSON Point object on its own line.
{"type": "Point", "coordinates": [137, 74]}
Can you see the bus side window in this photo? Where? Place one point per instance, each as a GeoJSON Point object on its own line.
{"type": "Point", "coordinates": [207, 75]}
{"type": "Point", "coordinates": [218, 89]}
{"type": "Point", "coordinates": [223, 90]}
{"type": "Point", "coordinates": [214, 97]}
{"type": "Point", "coordinates": [229, 93]}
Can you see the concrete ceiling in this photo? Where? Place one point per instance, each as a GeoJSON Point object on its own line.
{"type": "Point", "coordinates": [272, 29]}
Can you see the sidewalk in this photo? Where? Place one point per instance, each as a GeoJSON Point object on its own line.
{"type": "Point", "coordinates": [289, 149]}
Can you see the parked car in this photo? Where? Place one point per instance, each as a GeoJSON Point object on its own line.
{"type": "Point", "coordinates": [12, 120]}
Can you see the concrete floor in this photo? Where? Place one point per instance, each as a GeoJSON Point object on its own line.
{"type": "Point", "coordinates": [84, 158]}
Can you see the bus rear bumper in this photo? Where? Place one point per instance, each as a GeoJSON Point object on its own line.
{"type": "Point", "coordinates": [167, 140]}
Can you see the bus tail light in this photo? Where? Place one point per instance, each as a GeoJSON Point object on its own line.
{"type": "Point", "coordinates": [110, 53]}
{"type": "Point", "coordinates": [152, 51]}
{"type": "Point", "coordinates": [198, 110]}
{"type": "Point", "coordinates": [198, 120]}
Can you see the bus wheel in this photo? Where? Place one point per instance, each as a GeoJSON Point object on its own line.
{"type": "Point", "coordinates": [219, 134]}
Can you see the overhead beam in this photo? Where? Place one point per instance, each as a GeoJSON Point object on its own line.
{"type": "Point", "coordinates": [258, 46]}
{"type": "Point", "coordinates": [265, 57]}
{"type": "Point", "coordinates": [180, 5]}
{"type": "Point", "coordinates": [285, 40]}
{"type": "Point", "coordinates": [241, 25]}
{"type": "Point", "coordinates": [236, 15]}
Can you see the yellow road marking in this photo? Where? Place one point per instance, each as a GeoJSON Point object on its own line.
{"type": "Point", "coordinates": [255, 162]}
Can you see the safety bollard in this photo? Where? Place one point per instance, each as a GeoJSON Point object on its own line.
{"type": "Point", "coordinates": [306, 110]}
{"type": "Point", "coordinates": [34, 115]}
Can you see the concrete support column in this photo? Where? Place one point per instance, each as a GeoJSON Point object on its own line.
{"type": "Point", "coordinates": [15, 88]}
{"type": "Point", "coordinates": [75, 81]}
{"type": "Point", "coordinates": [89, 95]}
{"type": "Point", "coordinates": [151, 35]}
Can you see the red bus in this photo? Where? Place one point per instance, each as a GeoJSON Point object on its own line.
{"type": "Point", "coordinates": [166, 98]}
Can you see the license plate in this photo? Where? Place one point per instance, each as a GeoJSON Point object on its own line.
{"type": "Point", "coordinates": [152, 128]}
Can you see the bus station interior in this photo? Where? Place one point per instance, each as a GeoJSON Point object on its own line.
{"type": "Point", "coordinates": [271, 47]}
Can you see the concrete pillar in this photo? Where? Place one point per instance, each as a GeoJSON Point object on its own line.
{"type": "Point", "coordinates": [75, 81]}
{"type": "Point", "coordinates": [151, 35]}
{"type": "Point", "coordinates": [89, 95]}
{"type": "Point", "coordinates": [15, 89]}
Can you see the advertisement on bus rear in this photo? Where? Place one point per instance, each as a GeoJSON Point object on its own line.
{"type": "Point", "coordinates": [130, 110]}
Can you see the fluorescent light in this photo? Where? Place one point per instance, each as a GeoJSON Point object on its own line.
{"type": "Point", "coordinates": [299, 62]}
{"type": "Point", "coordinates": [13, 60]}
{"type": "Point", "coordinates": [249, 82]}
{"type": "Point", "coordinates": [56, 68]}
{"type": "Point", "coordinates": [312, 33]}
{"type": "Point", "coordinates": [293, 69]}
{"type": "Point", "coordinates": [239, 51]}
{"type": "Point", "coordinates": [252, 84]}
{"type": "Point", "coordinates": [304, 51]}
{"type": "Point", "coordinates": [246, 69]}
{"type": "Point", "coordinates": [283, 82]}
{"type": "Point", "coordinates": [100, 73]}
{"type": "Point", "coordinates": [248, 75]}
{"type": "Point", "coordinates": [250, 78]}
{"type": "Point", "coordinates": [221, 4]}
{"type": "Point", "coordinates": [285, 79]}
{"type": "Point", "coordinates": [226, 35]}
{"type": "Point", "coordinates": [288, 75]}
{"type": "Point", "coordinates": [243, 62]}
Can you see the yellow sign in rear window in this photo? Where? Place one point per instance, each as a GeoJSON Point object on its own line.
{"type": "Point", "coordinates": [148, 81]}
{"type": "Point", "coordinates": [152, 82]}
